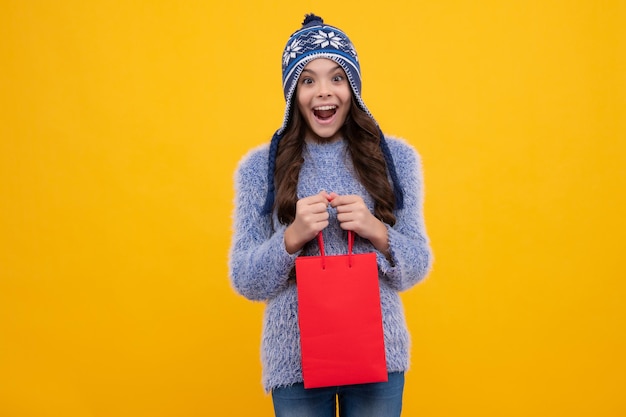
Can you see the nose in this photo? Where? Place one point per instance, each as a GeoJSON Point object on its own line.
{"type": "Point", "coordinates": [324, 89]}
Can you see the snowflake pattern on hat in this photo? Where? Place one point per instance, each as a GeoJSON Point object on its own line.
{"type": "Point", "coordinates": [321, 40]}
{"type": "Point", "coordinates": [291, 51]}
{"type": "Point", "coordinates": [324, 39]}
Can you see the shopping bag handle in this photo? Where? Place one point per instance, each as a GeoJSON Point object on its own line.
{"type": "Point", "coordinates": [320, 242]}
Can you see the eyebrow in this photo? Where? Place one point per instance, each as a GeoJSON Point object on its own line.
{"type": "Point", "coordinates": [332, 70]}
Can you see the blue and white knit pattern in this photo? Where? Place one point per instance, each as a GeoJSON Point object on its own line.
{"type": "Point", "coordinates": [260, 266]}
{"type": "Point", "coordinates": [318, 40]}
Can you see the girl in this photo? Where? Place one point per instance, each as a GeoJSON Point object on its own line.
{"type": "Point", "coordinates": [330, 168]}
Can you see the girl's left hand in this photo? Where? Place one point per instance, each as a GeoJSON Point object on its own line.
{"type": "Point", "coordinates": [354, 215]}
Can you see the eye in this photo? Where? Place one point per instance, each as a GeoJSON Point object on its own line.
{"type": "Point", "coordinates": [307, 80]}
{"type": "Point", "coordinates": [338, 78]}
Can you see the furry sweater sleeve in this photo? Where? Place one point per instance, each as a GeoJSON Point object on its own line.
{"type": "Point", "coordinates": [411, 257]}
{"type": "Point", "coordinates": [259, 264]}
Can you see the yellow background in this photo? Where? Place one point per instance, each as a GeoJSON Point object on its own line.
{"type": "Point", "coordinates": [121, 123]}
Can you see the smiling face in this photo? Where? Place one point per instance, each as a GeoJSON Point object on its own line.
{"type": "Point", "coordinates": [324, 98]}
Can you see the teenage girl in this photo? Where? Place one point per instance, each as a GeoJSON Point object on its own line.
{"type": "Point", "coordinates": [328, 168]}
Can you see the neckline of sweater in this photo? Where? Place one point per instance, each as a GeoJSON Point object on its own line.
{"type": "Point", "coordinates": [336, 144]}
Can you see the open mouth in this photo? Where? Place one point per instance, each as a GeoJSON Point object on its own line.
{"type": "Point", "coordinates": [324, 112]}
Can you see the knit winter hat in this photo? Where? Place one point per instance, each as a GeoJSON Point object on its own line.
{"type": "Point", "coordinates": [318, 40]}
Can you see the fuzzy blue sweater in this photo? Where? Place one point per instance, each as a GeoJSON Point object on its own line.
{"type": "Point", "coordinates": [260, 266]}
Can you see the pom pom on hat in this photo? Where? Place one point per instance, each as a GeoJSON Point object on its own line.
{"type": "Point", "coordinates": [311, 18]}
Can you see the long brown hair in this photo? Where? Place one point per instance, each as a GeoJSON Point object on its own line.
{"type": "Point", "coordinates": [362, 136]}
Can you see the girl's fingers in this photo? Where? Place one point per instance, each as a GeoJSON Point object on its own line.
{"type": "Point", "coordinates": [327, 197]}
{"type": "Point", "coordinates": [345, 200]}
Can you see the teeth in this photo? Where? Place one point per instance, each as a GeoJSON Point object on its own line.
{"type": "Point", "coordinates": [325, 108]}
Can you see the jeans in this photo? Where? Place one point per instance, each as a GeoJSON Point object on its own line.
{"type": "Point", "coordinates": [381, 399]}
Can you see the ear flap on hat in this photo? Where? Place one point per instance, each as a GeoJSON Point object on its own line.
{"type": "Point", "coordinates": [271, 167]}
{"type": "Point", "coordinates": [391, 167]}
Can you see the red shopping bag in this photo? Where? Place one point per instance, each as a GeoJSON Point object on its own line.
{"type": "Point", "coordinates": [340, 319]}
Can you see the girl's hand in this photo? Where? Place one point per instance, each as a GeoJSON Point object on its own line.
{"type": "Point", "coordinates": [311, 218]}
{"type": "Point", "coordinates": [354, 215]}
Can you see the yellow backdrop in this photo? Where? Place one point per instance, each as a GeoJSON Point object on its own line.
{"type": "Point", "coordinates": [121, 124]}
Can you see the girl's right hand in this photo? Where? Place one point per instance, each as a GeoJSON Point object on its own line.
{"type": "Point", "coordinates": [311, 218]}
